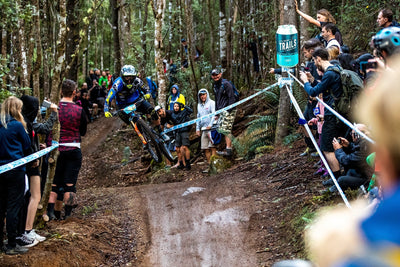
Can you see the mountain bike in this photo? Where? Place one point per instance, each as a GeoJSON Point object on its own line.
{"type": "Point", "coordinates": [153, 142]}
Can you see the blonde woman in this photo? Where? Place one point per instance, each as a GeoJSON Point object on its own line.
{"type": "Point", "coordinates": [323, 17]}
{"type": "Point", "coordinates": [14, 140]}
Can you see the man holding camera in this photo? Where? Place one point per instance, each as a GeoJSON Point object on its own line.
{"type": "Point", "coordinates": [331, 88]}
{"type": "Point", "coordinates": [352, 156]}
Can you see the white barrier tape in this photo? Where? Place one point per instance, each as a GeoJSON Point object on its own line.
{"type": "Point", "coordinates": [296, 106]}
{"type": "Point", "coordinates": [338, 115]}
{"type": "Point", "coordinates": [27, 159]}
{"type": "Point", "coordinates": [218, 111]}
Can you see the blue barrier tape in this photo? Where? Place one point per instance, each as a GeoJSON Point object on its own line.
{"type": "Point", "coordinates": [25, 160]}
{"type": "Point", "coordinates": [218, 111]}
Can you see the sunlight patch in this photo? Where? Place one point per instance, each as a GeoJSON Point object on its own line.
{"type": "Point", "coordinates": [191, 190]}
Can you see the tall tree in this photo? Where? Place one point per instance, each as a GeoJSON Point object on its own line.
{"type": "Point", "coordinates": [212, 33]}
{"type": "Point", "coordinates": [287, 16]}
{"type": "Point", "coordinates": [222, 32]}
{"type": "Point", "coordinates": [72, 41]}
{"type": "Point", "coordinates": [115, 29]}
{"type": "Point", "coordinates": [158, 10]}
{"type": "Point", "coordinates": [38, 62]}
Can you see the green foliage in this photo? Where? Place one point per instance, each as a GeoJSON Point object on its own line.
{"type": "Point", "coordinates": [4, 94]}
{"type": "Point", "coordinates": [86, 210]}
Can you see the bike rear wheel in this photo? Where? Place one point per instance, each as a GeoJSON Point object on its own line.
{"type": "Point", "coordinates": [152, 144]}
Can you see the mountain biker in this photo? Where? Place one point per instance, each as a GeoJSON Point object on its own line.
{"type": "Point", "coordinates": [129, 89]}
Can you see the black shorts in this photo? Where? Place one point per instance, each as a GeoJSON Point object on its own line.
{"type": "Point", "coordinates": [182, 139]}
{"type": "Point", "coordinates": [329, 131]}
{"type": "Point", "coordinates": [68, 166]}
{"type": "Point", "coordinates": [32, 171]}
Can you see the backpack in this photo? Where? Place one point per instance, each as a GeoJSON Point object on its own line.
{"type": "Point", "coordinates": [235, 91]}
{"type": "Point", "coordinates": [352, 85]}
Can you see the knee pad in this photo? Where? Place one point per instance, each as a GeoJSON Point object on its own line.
{"type": "Point", "coordinates": [70, 188]}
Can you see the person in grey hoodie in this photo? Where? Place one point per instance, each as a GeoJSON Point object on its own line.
{"type": "Point", "coordinates": [205, 106]}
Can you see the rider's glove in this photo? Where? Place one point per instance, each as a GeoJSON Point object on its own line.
{"type": "Point", "coordinates": [107, 114]}
{"type": "Point", "coordinates": [147, 97]}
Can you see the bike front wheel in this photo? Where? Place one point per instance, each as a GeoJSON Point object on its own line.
{"type": "Point", "coordinates": [164, 149]}
{"type": "Point", "coordinates": [152, 144]}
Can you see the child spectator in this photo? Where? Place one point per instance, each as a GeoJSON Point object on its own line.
{"type": "Point", "coordinates": [181, 114]}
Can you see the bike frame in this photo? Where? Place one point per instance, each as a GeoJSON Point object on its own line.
{"type": "Point", "coordinates": [130, 110]}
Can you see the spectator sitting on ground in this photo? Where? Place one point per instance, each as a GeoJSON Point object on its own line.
{"type": "Point", "coordinates": [352, 156]}
{"type": "Point", "coordinates": [14, 141]}
{"type": "Point", "coordinates": [175, 96]}
{"type": "Point", "coordinates": [204, 107]}
{"type": "Point", "coordinates": [385, 19]}
{"type": "Point", "coordinates": [181, 114]}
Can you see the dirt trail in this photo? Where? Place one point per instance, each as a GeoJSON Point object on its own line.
{"type": "Point", "coordinates": [192, 225]}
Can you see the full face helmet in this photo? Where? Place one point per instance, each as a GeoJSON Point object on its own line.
{"type": "Point", "coordinates": [388, 40]}
{"type": "Point", "coordinates": [128, 75]}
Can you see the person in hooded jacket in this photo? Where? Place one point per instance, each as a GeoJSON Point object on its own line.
{"type": "Point", "coordinates": [175, 96]}
{"type": "Point", "coordinates": [181, 114]}
{"type": "Point", "coordinates": [29, 111]}
{"type": "Point", "coordinates": [14, 141]}
{"type": "Point", "coordinates": [204, 107]}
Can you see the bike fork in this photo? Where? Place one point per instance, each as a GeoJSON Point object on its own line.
{"type": "Point", "coordinates": [139, 133]}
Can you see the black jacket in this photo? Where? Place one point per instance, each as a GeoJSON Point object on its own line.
{"type": "Point", "coordinates": [182, 116]}
{"type": "Point", "coordinates": [224, 94]}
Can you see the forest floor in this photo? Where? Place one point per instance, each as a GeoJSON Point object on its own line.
{"type": "Point", "coordinates": [253, 214]}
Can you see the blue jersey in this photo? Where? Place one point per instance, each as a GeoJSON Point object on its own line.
{"type": "Point", "coordinates": [123, 95]}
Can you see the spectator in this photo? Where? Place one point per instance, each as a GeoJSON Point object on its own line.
{"type": "Point", "coordinates": [385, 19]}
{"type": "Point", "coordinates": [185, 62]}
{"type": "Point", "coordinates": [224, 96]}
{"type": "Point", "coordinates": [103, 78]}
{"type": "Point", "coordinates": [328, 33]}
{"type": "Point", "coordinates": [89, 79]}
{"type": "Point", "coordinates": [331, 87]}
{"type": "Point", "coordinates": [252, 46]}
{"type": "Point", "coordinates": [181, 114]}
{"type": "Point", "coordinates": [30, 110]}
{"type": "Point", "coordinates": [152, 87]}
{"type": "Point", "coordinates": [204, 107]}
{"type": "Point", "coordinates": [166, 121]}
{"type": "Point", "coordinates": [172, 71]}
{"type": "Point", "coordinates": [368, 237]}
{"type": "Point", "coordinates": [323, 17]}
{"type": "Point", "coordinates": [88, 107]}
{"type": "Point", "coordinates": [14, 141]}
{"type": "Point", "coordinates": [346, 61]}
{"type": "Point", "coordinates": [333, 53]}
{"type": "Point", "coordinates": [175, 96]}
{"type": "Point", "coordinates": [101, 96]}
{"type": "Point", "coordinates": [73, 125]}
{"type": "Point", "coordinates": [352, 156]}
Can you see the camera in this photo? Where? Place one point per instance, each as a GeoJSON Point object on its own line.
{"type": "Point", "coordinates": [365, 65]}
{"type": "Point", "coordinates": [46, 103]}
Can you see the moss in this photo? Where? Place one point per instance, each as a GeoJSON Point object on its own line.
{"type": "Point", "coordinates": [218, 164]}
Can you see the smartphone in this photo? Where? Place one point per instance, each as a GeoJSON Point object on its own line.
{"type": "Point", "coordinates": [365, 65]}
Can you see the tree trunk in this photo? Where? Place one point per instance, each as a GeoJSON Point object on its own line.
{"type": "Point", "coordinates": [38, 62]}
{"type": "Point", "coordinates": [73, 37]}
{"type": "Point", "coordinates": [191, 46]}
{"type": "Point", "coordinates": [282, 129]}
{"type": "Point", "coordinates": [213, 56]}
{"type": "Point", "coordinates": [222, 33]}
{"type": "Point", "coordinates": [143, 37]}
{"type": "Point", "coordinates": [115, 29]}
{"type": "Point", "coordinates": [304, 24]}
{"type": "Point", "coordinates": [55, 97]}
{"type": "Point", "coordinates": [158, 10]}
{"type": "Point", "coordinates": [22, 50]}
{"type": "Point", "coordinates": [3, 54]}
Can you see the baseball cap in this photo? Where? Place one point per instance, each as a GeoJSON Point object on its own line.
{"type": "Point", "coordinates": [215, 71]}
{"type": "Point", "coordinates": [157, 108]}
{"type": "Point", "coordinates": [202, 91]}
{"type": "Point", "coordinates": [183, 40]}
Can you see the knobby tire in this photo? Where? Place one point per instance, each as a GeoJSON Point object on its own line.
{"type": "Point", "coordinates": [166, 152]}
{"type": "Point", "coordinates": [152, 145]}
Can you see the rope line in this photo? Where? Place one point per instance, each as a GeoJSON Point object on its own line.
{"type": "Point", "coordinates": [219, 111]}
{"type": "Point", "coordinates": [296, 106]}
{"type": "Point", "coordinates": [27, 159]}
{"type": "Point", "coordinates": [337, 114]}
